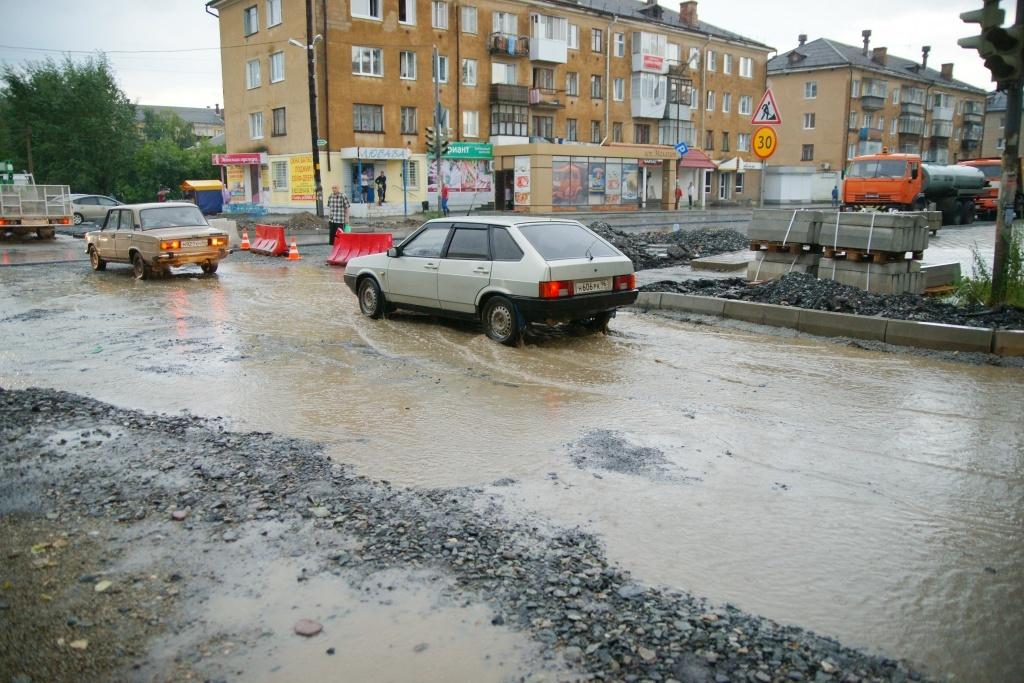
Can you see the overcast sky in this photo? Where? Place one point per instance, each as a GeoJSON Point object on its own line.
{"type": "Point", "coordinates": [169, 75]}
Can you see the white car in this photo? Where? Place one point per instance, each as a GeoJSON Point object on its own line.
{"type": "Point", "coordinates": [504, 271]}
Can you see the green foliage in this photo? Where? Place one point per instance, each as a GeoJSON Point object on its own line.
{"type": "Point", "coordinates": [161, 163]}
{"type": "Point", "coordinates": [166, 125]}
{"type": "Point", "coordinates": [978, 288]}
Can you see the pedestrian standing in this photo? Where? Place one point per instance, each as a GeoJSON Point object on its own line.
{"type": "Point", "coordinates": [161, 195]}
{"type": "Point", "coordinates": [382, 187]}
{"type": "Point", "coordinates": [364, 184]}
{"type": "Point", "coordinates": [444, 199]}
{"type": "Point", "coordinates": [337, 212]}
{"type": "Point", "coordinates": [835, 197]}
{"type": "Point", "coordinates": [689, 193]}
{"type": "Point", "coordinates": [679, 195]}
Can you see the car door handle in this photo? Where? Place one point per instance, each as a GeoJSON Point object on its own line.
{"type": "Point", "coordinates": [430, 266]}
{"type": "Point", "coordinates": [481, 269]}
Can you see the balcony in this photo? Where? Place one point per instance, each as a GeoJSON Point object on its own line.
{"type": "Point", "coordinates": [508, 45]}
{"type": "Point", "coordinates": [678, 68]}
{"type": "Point", "coordinates": [502, 93]}
{"type": "Point", "coordinates": [972, 133]}
{"type": "Point", "coordinates": [942, 113]}
{"type": "Point", "coordinates": [869, 147]}
{"type": "Point", "coordinates": [973, 117]}
{"type": "Point", "coordinates": [647, 107]}
{"type": "Point", "coordinates": [549, 50]}
{"type": "Point", "coordinates": [872, 134]}
{"type": "Point", "coordinates": [912, 108]}
{"type": "Point", "coordinates": [942, 129]}
{"type": "Point", "coordinates": [545, 98]}
{"type": "Point", "coordinates": [652, 64]}
{"type": "Point", "coordinates": [678, 112]}
{"type": "Point", "coordinates": [872, 102]}
{"type": "Point", "coordinates": [911, 125]}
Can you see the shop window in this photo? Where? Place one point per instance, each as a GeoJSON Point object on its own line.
{"type": "Point", "coordinates": [279, 176]}
{"type": "Point", "coordinates": [412, 174]}
{"type": "Point", "coordinates": [740, 181]}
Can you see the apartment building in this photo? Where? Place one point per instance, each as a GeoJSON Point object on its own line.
{"type": "Point", "coordinates": [994, 141]}
{"type": "Point", "coordinates": [840, 101]}
{"type": "Point", "coordinates": [206, 122]}
{"type": "Point", "coordinates": [549, 105]}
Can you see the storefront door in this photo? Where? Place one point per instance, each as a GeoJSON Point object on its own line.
{"type": "Point", "coordinates": [724, 186]}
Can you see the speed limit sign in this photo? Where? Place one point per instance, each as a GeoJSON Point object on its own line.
{"type": "Point", "coordinates": [765, 142]}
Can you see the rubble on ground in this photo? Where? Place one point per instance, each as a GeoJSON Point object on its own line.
{"type": "Point", "coordinates": [663, 249]}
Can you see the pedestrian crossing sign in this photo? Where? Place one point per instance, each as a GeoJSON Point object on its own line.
{"type": "Point", "coordinates": [767, 112]}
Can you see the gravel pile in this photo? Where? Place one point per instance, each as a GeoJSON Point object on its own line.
{"type": "Point", "coordinates": [72, 459]}
{"type": "Point", "coordinates": [663, 249]}
{"type": "Point", "coordinates": [806, 291]}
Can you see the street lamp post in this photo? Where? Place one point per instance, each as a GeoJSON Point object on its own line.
{"type": "Point", "coordinates": [313, 112]}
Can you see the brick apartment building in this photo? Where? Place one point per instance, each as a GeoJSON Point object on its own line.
{"type": "Point", "coordinates": [550, 105]}
{"type": "Point", "coordinates": [839, 101]}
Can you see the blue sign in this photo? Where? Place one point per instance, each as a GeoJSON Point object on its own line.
{"type": "Point", "coordinates": [682, 148]}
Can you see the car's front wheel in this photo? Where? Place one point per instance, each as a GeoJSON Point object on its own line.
{"type": "Point", "coordinates": [78, 219]}
{"type": "Point", "coordinates": [371, 299]}
{"type": "Point", "coordinates": [500, 321]}
{"type": "Point", "coordinates": [95, 261]}
{"type": "Point", "coordinates": [140, 268]}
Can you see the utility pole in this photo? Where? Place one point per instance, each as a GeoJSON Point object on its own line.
{"type": "Point", "coordinates": [313, 128]}
{"type": "Point", "coordinates": [437, 125]}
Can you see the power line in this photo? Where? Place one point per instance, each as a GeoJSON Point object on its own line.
{"type": "Point", "coordinates": [126, 52]}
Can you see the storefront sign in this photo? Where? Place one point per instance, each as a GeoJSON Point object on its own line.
{"type": "Point", "coordinates": [246, 158]}
{"type": "Point", "coordinates": [651, 162]}
{"type": "Point", "coordinates": [300, 176]}
{"type": "Point", "coordinates": [653, 62]}
{"type": "Point", "coordinates": [521, 180]}
{"type": "Point", "coordinates": [236, 181]}
{"type": "Point", "coordinates": [469, 150]}
{"type": "Point", "coordinates": [371, 153]}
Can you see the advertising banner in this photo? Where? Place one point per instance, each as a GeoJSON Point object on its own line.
{"type": "Point", "coordinates": [461, 175]}
{"type": "Point", "coordinates": [521, 181]}
{"type": "Point", "coordinates": [236, 182]}
{"type": "Point", "coordinates": [300, 175]}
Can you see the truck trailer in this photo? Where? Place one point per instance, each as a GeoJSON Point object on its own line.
{"type": "Point", "coordinates": [26, 207]}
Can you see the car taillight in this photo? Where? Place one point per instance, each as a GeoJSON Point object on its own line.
{"type": "Point", "coordinates": [65, 221]}
{"type": "Point", "coordinates": [3, 221]}
{"type": "Point", "coordinates": [624, 282]}
{"type": "Point", "coordinates": [170, 244]}
{"type": "Point", "coordinates": [555, 289]}
{"type": "Point", "coordinates": [218, 241]}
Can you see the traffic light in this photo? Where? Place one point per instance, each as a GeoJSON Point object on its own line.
{"type": "Point", "coordinates": [431, 139]}
{"type": "Point", "coordinates": [1001, 48]}
{"type": "Point", "coordinates": [444, 141]}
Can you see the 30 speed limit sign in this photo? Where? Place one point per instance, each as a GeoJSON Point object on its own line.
{"type": "Point", "coordinates": [765, 142]}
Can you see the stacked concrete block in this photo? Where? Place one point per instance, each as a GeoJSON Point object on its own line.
{"type": "Point", "coordinates": [941, 274]}
{"type": "Point", "coordinates": [892, 233]}
{"type": "Point", "coordinates": [896, 277]}
{"type": "Point", "coordinates": [785, 227]}
{"type": "Point", "coordinates": [773, 265]}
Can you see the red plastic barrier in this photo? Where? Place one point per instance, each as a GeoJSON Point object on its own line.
{"type": "Point", "coordinates": [269, 240]}
{"type": "Point", "coordinates": [348, 245]}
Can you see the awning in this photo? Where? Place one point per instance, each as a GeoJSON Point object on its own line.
{"type": "Point", "coordinates": [731, 166]}
{"type": "Point", "coordinates": [696, 159]}
{"type": "Point", "coordinates": [201, 185]}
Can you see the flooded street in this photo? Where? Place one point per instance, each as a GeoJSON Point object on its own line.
{"type": "Point", "coordinates": [874, 497]}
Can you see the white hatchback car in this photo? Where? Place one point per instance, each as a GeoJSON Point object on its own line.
{"type": "Point", "coordinates": [504, 271]}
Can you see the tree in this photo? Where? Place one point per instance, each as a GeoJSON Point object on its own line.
{"type": "Point", "coordinates": [79, 124]}
{"type": "Point", "coordinates": [166, 125]}
{"type": "Point", "coordinates": [161, 163]}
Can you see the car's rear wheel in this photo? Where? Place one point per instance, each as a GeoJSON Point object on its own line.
{"type": "Point", "coordinates": [500, 321]}
{"type": "Point", "coordinates": [371, 299]}
{"type": "Point", "coordinates": [209, 268]}
{"type": "Point", "coordinates": [78, 219]}
{"type": "Point", "coordinates": [140, 267]}
{"type": "Point", "coordinates": [95, 261]}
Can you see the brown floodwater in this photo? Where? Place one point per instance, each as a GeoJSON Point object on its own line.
{"type": "Point", "coordinates": [874, 497]}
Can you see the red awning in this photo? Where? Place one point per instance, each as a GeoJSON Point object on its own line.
{"type": "Point", "coordinates": [696, 159]}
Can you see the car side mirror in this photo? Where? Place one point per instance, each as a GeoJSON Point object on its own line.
{"type": "Point", "coordinates": [393, 252]}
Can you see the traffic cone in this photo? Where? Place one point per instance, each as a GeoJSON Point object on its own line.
{"type": "Point", "coordinates": [245, 240]}
{"type": "Point", "coordinates": [293, 251]}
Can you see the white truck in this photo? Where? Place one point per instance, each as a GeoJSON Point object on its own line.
{"type": "Point", "coordinates": [26, 207]}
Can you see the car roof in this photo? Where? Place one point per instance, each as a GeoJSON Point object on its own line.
{"type": "Point", "coordinates": [507, 221]}
{"type": "Point", "coordinates": [155, 205]}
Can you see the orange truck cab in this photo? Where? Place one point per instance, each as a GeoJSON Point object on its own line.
{"type": "Point", "coordinates": [987, 203]}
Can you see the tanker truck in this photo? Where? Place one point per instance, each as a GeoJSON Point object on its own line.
{"type": "Point", "coordinates": [904, 182]}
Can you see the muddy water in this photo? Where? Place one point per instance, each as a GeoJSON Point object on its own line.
{"type": "Point", "coordinates": [877, 498]}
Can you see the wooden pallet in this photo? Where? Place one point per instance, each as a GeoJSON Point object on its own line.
{"type": "Point", "coordinates": [940, 290]}
{"type": "Point", "coordinates": [787, 248]}
{"type": "Point", "coordinates": [861, 255]}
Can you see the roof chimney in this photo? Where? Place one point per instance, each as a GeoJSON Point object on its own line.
{"type": "Point", "coordinates": [924, 56]}
{"type": "Point", "coordinates": [867, 40]}
{"type": "Point", "coordinates": [216, 108]}
{"type": "Point", "coordinates": [802, 38]}
{"type": "Point", "coordinates": [947, 71]}
{"type": "Point", "coordinates": [688, 12]}
{"type": "Point", "coordinates": [879, 55]}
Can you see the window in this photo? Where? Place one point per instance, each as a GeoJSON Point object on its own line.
{"type": "Point", "coordinates": [574, 37]}
{"type": "Point", "coordinates": [709, 140]}
{"type": "Point", "coordinates": [427, 244]}
{"type": "Point", "coordinates": [470, 244]}
{"type": "Point", "coordinates": [711, 62]}
{"type": "Point", "coordinates": [471, 124]}
{"type": "Point", "coordinates": [726, 102]}
{"type": "Point", "coordinates": [809, 121]}
{"type": "Point", "coordinates": [366, 9]}
{"type": "Point", "coordinates": [509, 119]}
{"type": "Point", "coordinates": [252, 74]}
{"type": "Point", "coordinates": [743, 142]}
{"type": "Point", "coordinates": [442, 64]}
{"type": "Point", "coordinates": [867, 120]}
{"type": "Point", "coordinates": [596, 40]}
{"type": "Point", "coordinates": [895, 95]}
{"type": "Point", "coordinates": [250, 20]}
{"type": "Point", "coordinates": [619, 89]}
{"type": "Point", "coordinates": [409, 123]}
{"type": "Point", "coordinates": [279, 176]}
{"type": "Point", "coordinates": [273, 13]}
{"type": "Point", "coordinates": [468, 19]}
{"type": "Point", "coordinates": [855, 89]}
{"type": "Point", "coordinates": [570, 130]}
{"type": "Point", "coordinates": [725, 142]}
{"type": "Point", "coordinates": [727, 64]}
{"type": "Point", "coordinates": [279, 124]}
{"type": "Point", "coordinates": [807, 153]}
{"type": "Point", "coordinates": [439, 14]}
{"type": "Point", "coordinates": [412, 174]}
{"type": "Point", "coordinates": [740, 177]}
{"type": "Point", "coordinates": [256, 125]}
{"type": "Point", "coordinates": [810, 90]}
{"type": "Point", "coordinates": [572, 84]}
{"type": "Point", "coordinates": [503, 73]}
{"type": "Point", "coordinates": [596, 87]}
{"type": "Point", "coordinates": [367, 61]}
{"type": "Point", "coordinates": [746, 67]}
{"type": "Point", "coordinates": [469, 72]}
{"type": "Point", "coordinates": [367, 118]}
{"type": "Point", "coordinates": [407, 11]}
{"type": "Point", "coordinates": [547, 27]}
{"type": "Point", "coordinates": [504, 23]}
{"type": "Point", "coordinates": [544, 78]}
{"type": "Point", "coordinates": [595, 131]}
{"type": "Point", "coordinates": [543, 126]}
{"type": "Point", "coordinates": [893, 126]}
{"type": "Point", "coordinates": [564, 241]}
{"type": "Point", "coordinates": [641, 134]}
{"type": "Point", "coordinates": [503, 246]}
{"type": "Point", "coordinates": [617, 131]}
{"type": "Point", "coordinates": [853, 120]}
{"type": "Point", "coordinates": [407, 65]}
{"type": "Point", "coordinates": [710, 105]}
{"type": "Point", "coordinates": [277, 67]}
{"type": "Point", "coordinates": [620, 44]}
{"type": "Point", "coordinates": [881, 124]}
{"type": "Point", "coordinates": [851, 151]}
{"type": "Point", "coordinates": [746, 105]}
{"type": "Point", "coordinates": [694, 59]}
{"type": "Point", "coordinates": [673, 54]}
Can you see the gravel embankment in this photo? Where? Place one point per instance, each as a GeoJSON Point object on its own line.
{"type": "Point", "coordinates": [806, 291]}
{"type": "Point", "coordinates": [69, 462]}
{"type": "Point", "coordinates": [683, 246]}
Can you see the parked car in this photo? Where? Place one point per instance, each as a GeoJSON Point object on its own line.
{"type": "Point", "coordinates": [91, 207]}
{"type": "Point", "coordinates": [153, 238]}
{"type": "Point", "coordinates": [504, 271]}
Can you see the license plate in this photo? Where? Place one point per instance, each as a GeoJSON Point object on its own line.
{"type": "Point", "coordinates": [193, 243]}
{"type": "Point", "coordinates": [591, 286]}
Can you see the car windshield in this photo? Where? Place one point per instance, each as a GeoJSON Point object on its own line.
{"type": "Point", "coordinates": [991, 170]}
{"type": "Point", "coordinates": [877, 168]}
{"type": "Point", "coordinates": [171, 217]}
{"type": "Point", "coordinates": [559, 241]}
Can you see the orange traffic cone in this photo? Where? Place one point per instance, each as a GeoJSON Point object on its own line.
{"type": "Point", "coordinates": [293, 252]}
{"type": "Point", "coordinates": [245, 240]}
